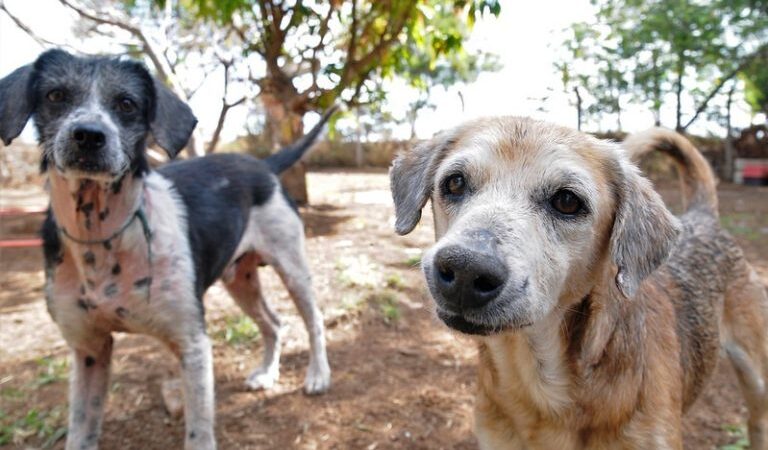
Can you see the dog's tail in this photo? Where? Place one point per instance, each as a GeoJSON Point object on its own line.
{"type": "Point", "coordinates": [697, 180]}
{"type": "Point", "coordinates": [288, 156]}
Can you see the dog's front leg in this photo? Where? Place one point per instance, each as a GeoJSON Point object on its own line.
{"type": "Point", "coordinates": [88, 394]}
{"type": "Point", "coordinates": [197, 378]}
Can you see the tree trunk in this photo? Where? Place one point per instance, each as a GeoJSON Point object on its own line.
{"type": "Point", "coordinates": [578, 108]}
{"type": "Point", "coordinates": [728, 127]}
{"type": "Point", "coordinates": [217, 132]}
{"type": "Point", "coordinates": [359, 140]}
{"type": "Point", "coordinates": [285, 127]}
{"type": "Point", "coordinates": [728, 156]}
{"type": "Point", "coordinates": [728, 150]}
{"type": "Point", "coordinates": [656, 89]}
{"type": "Point", "coordinates": [412, 115]}
{"type": "Point", "coordinates": [678, 94]}
{"type": "Point", "coordinates": [195, 146]}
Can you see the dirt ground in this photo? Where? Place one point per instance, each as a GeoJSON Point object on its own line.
{"type": "Point", "coordinates": [400, 379]}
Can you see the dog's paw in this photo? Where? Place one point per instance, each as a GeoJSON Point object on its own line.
{"type": "Point", "coordinates": [260, 379]}
{"type": "Point", "coordinates": [200, 440]}
{"type": "Point", "coordinates": [173, 397]}
{"type": "Point", "coordinates": [318, 379]}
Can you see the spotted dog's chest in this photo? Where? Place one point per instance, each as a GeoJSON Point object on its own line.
{"type": "Point", "coordinates": [105, 290]}
{"type": "Point", "coordinates": [135, 283]}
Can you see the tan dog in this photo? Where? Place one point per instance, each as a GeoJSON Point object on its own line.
{"type": "Point", "coordinates": [598, 314]}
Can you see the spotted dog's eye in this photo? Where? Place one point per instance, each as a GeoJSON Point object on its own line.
{"type": "Point", "coordinates": [566, 202]}
{"type": "Point", "coordinates": [126, 105]}
{"type": "Point", "coordinates": [55, 96]}
{"type": "Point", "coordinates": [455, 185]}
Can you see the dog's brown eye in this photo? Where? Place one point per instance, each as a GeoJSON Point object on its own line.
{"type": "Point", "coordinates": [55, 96]}
{"type": "Point", "coordinates": [566, 202]}
{"type": "Point", "coordinates": [126, 105]}
{"type": "Point", "coordinates": [455, 185]}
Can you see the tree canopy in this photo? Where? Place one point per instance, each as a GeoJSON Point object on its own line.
{"type": "Point", "coordinates": [655, 50]}
{"type": "Point", "coordinates": [317, 53]}
{"type": "Point", "coordinates": [320, 52]}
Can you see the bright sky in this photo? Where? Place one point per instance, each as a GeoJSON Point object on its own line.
{"type": "Point", "coordinates": [525, 37]}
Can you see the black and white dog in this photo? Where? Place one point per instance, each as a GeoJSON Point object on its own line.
{"type": "Point", "coordinates": [131, 249]}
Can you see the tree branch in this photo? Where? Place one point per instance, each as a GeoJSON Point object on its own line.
{"type": "Point", "coordinates": [225, 106]}
{"type": "Point", "coordinates": [352, 43]}
{"type": "Point", "coordinates": [25, 28]}
{"type": "Point", "coordinates": [162, 69]}
{"type": "Point", "coordinates": [272, 44]}
{"type": "Point", "coordinates": [746, 61]}
{"type": "Point", "coordinates": [355, 68]}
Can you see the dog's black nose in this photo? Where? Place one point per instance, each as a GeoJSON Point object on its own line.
{"type": "Point", "coordinates": [469, 278]}
{"type": "Point", "coordinates": [89, 136]}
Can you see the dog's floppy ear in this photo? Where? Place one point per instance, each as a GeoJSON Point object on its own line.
{"type": "Point", "coordinates": [173, 121]}
{"type": "Point", "coordinates": [644, 231]}
{"type": "Point", "coordinates": [15, 103]}
{"type": "Point", "coordinates": [411, 177]}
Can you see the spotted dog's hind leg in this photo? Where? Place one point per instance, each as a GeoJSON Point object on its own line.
{"type": "Point", "coordinates": [746, 343]}
{"type": "Point", "coordinates": [293, 270]}
{"type": "Point", "coordinates": [245, 288]}
{"type": "Point", "coordinates": [88, 383]}
{"type": "Point", "coordinates": [284, 249]}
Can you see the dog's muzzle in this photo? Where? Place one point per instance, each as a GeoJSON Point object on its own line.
{"type": "Point", "coordinates": [87, 146]}
{"type": "Point", "coordinates": [467, 276]}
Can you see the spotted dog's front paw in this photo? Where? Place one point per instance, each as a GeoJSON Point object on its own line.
{"type": "Point", "coordinates": [173, 397]}
{"type": "Point", "coordinates": [318, 379]}
{"type": "Point", "coordinates": [198, 439]}
{"type": "Point", "coordinates": [261, 379]}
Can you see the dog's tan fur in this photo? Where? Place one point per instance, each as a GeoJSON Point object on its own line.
{"type": "Point", "coordinates": [612, 351]}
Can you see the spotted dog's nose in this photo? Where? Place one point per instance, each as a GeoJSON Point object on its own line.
{"type": "Point", "coordinates": [469, 276]}
{"type": "Point", "coordinates": [88, 136]}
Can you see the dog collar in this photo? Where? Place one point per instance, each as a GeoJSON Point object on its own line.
{"type": "Point", "coordinates": [139, 215]}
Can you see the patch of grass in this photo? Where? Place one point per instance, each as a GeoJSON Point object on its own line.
{"type": "Point", "coordinates": [395, 281]}
{"type": "Point", "coordinates": [741, 224]}
{"type": "Point", "coordinates": [390, 312]}
{"type": "Point", "coordinates": [51, 370]}
{"type": "Point", "coordinates": [238, 330]}
{"type": "Point", "coordinates": [12, 393]}
{"type": "Point", "coordinates": [414, 257]}
{"type": "Point", "coordinates": [352, 303]}
{"type": "Point", "coordinates": [44, 425]}
{"type": "Point", "coordinates": [413, 261]}
{"type": "Point", "coordinates": [358, 271]}
{"type": "Point", "coordinates": [739, 434]}
{"type": "Point", "coordinates": [388, 305]}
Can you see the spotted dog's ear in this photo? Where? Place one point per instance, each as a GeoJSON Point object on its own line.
{"type": "Point", "coordinates": [16, 104]}
{"type": "Point", "coordinates": [644, 231]}
{"type": "Point", "coordinates": [173, 121]}
{"type": "Point", "coordinates": [411, 178]}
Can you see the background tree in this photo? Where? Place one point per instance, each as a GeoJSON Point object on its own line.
{"type": "Point", "coordinates": [755, 77]}
{"type": "Point", "coordinates": [685, 50]}
{"type": "Point", "coordinates": [422, 66]}
{"type": "Point", "coordinates": [317, 53]}
{"type": "Point", "coordinates": [591, 67]}
{"type": "Point", "coordinates": [570, 67]}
